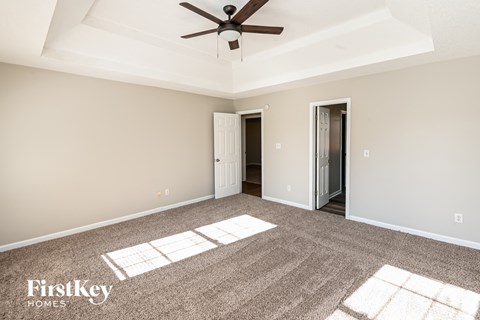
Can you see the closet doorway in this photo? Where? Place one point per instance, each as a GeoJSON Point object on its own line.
{"type": "Point", "coordinates": [252, 152]}
{"type": "Point", "coordinates": [330, 158]}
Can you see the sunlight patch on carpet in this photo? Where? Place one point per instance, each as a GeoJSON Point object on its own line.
{"type": "Point", "coordinates": [393, 293]}
{"type": "Point", "coordinates": [234, 229]}
{"type": "Point", "coordinates": [145, 257]}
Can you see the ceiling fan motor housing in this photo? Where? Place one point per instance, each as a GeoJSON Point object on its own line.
{"type": "Point", "coordinates": [229, 10]}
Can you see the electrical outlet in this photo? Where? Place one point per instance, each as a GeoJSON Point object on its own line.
{"type": "Point", "coordinates": [458, 217]}
{"type": "Point", "coordinates": [366, 153]}
{"type": "Point", "coordinates": [167, 192]}
{"type": "Point", "coordinates": [289, 188]}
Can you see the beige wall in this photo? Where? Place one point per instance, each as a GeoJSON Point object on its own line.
{"type": "Point", "coordinates": [422, 128]}
{"type": "Point", "coordinates": [77, 150]}
{"type": "Point", "coordinates": [253, 139]}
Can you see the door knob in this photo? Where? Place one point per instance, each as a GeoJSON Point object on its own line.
{"type": "Point", "coordinates": [217, 160]}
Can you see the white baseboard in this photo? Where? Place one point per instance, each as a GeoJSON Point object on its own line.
{"type": "Point", "coordinates": [65, 233]}
{"type": "Point", "coordinates": [336, 193]}
{"type": "Point", "coordinates": [288, 203]}
{"type": "Point", "coordinates": [425, 234]}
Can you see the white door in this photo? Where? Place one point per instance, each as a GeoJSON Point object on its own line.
{"type": "Point", "coordinates": [322, 128]}
{"type": "Point", "coordinates": [227, 154]}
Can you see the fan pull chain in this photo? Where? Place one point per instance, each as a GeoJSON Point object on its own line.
{"type": "Point", "coordinates": [217, 45]}
{"type": "Point", "coordinates": [241, 48]}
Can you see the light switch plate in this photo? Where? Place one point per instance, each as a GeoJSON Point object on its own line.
{"type": "Point", "coordinates": [366, 153]}
{"type": "Point", "coordinates": [278, 145]}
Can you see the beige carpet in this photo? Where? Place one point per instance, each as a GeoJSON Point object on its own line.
{"type": "Point", "coordinates": [312, 265]}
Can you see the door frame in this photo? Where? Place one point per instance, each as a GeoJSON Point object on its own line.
{"type": "Point", "coordinates": [313, 105]}
{"type": "Point", "coordinates": [242, 129]}
{"type": "Point", "coordinates": [342, 112]}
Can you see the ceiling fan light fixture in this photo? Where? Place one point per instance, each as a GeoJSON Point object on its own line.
{"type": "Point", "coordinates": [230, 35]}
{"type": "Point", "coordinates": [229, 32]}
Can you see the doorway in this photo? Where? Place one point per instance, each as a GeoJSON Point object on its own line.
{"type": "Point", "coordinates": [329, 161]}
{"type": "Point", "coordinates": [252, 152]}
{"type": "Point", "coordinates": [337, 157]}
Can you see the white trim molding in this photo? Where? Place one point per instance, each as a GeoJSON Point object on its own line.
{"type": "Point", "coordinates": [288, 203]}
{"type": "Point", "coordinates": [416, 232]}
{"type": "Point", "coordinates": [246, 112]}
{"type": "Point", "coordinates": [100, 224]}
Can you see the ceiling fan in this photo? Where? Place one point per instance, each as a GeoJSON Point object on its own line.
{"type": "Point", "coordinates": [230, 30]}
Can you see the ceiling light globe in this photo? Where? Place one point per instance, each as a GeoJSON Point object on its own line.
{"type": "Point", "coordinates": [229, 35]}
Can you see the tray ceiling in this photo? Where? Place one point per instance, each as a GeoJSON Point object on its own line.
{"type": "Point", "coordinates": [139, 41]}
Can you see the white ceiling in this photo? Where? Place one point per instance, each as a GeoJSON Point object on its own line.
{"type": "Point", "coordinates": [138, 41]}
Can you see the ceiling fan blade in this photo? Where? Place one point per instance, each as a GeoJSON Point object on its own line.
{"type": "Point", "coordinates": [200, 12]}
{"type": "Point", "coordinates": [262, 29]}
{"type": "Point", "coordinates": [248, 10]}
{"type": "Point", "coordinates": [234, 45]}
{"type": "Point", "coordinates": [201, 33]}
